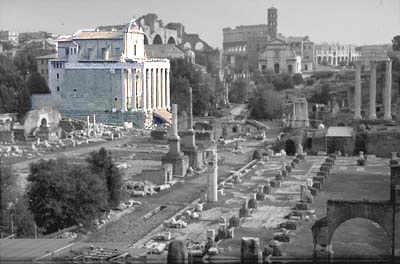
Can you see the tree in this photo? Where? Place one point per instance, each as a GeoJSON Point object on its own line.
{"type": "Point", "coordinates": [238, 91]}
{"type": "Point", "coordinates": [62, 194]}
{"type": "Point", "coordinates": [297, 79]}
{"type": "Point", "coordinates": [396, 43]}
{"type": "Point", "coordinates": [265, 104]}
{"type": "Point", "coordinates": [36, 84]}
{"type": "Point", "coordinates": [321, 96]}
{"type": "Point", "coordinates": [101, 164]}
{"type": "Point", "coordinates": [14, 95]}
{"type": "Point", "coordinates": [203, 86]}
{"type": "Point", "coordinates": [282, 82]}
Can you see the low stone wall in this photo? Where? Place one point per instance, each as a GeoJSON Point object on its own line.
{"type": "Point", "coordinates": [108, 118]}
{"type": "Point", "coordinates": [383, 143]}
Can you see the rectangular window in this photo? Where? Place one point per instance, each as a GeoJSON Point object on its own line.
{"type": "Point", "coordinates": [67, 51]}
{"type": "Point", "coordinates": [58, 88]}
{"type": "Point", "coordinates": [42, 61]}
{"type": "Point", "coordinates": [58, 76]}
{"type": "Point", "coordinates": [134, 50]}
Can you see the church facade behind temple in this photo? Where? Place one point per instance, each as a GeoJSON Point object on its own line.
{"type": "Point", "coordinates": [106, 71]}
{"type": "Point", "coordinates": [260, 47]}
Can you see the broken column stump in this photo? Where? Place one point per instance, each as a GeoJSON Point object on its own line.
{"type": "Point", "coordinates": [250, 250]}
{"type": "Point", "coordinates": [177, 253]}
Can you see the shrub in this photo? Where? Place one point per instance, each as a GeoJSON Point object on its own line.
{"type": "Point", "coordinates": [62, 194]}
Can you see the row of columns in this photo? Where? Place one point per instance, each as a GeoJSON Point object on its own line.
{"type": "Point", "coordinates": [387, 93]}
{"type": "Point", "coordinates": [155, 89]}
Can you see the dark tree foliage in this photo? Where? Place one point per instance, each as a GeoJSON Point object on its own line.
{"type": "Point", "coordinates": [7, 192]}
{"type": "Point", "coordinates": [396, 43]}
{"type": "Point", "coordinates": [185, 74]}
{"type": "Point", "coordinates": [62, 194]}
{"type": "Point", "coordinates": [102, 165]}
{"type": "Point", "coordinates": [265, 103]}
{"type": "Point", "coordinates": [321, 96]}
{"type": "Point", "coordinates": [282, 82]}
{"type": "Point", "coordinates": [14, 95]}
{"type": "Point", "coordinates": [25, 58]}
{"type": "Point", "coordinates": [297, 79]}
{"type": "Point", "coordinates": [238, 92]}
{"type": "Point", "coordinates": [37, 84]}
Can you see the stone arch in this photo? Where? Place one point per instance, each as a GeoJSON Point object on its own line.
{"type": "Point", "coordinates": [171, 40]}
{"type": "Point", "coordinates": [199, 46]}
{"type": "Point", "coordinates": [339, 212]}
{"type": "Point", "coordinates": [146, 40]}
{"type": "Point", "coordinates": [43, 122]}
{"type": "Point", "coordinates": [364, 223]}
{"type": "Point", "coordinates": [290, 147]}
{"type": "Point", "coordinates": [157, 40]}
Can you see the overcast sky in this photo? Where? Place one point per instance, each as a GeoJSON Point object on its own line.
{"type": "Point", "coordinates": [346, 21]}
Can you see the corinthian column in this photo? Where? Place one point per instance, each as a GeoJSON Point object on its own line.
{"type": "Point", "coordinates": [163, 99]}
{"type": "Point", "coordinates": [159, 100]}
{"type": "Point", "coordinates": [372, 91]}
{"type": "Point", "coordinates": [133, 93]}
{"type": "Point", "coordinates": [357, 92]}
{"type": "Point", "coordinates": [387, 100]}
{"type": "Point", "coordinates": [153, 89]}
{"type": "Point", "coordinates": [144, 89]}
{"type": "Point", "coordinates": [167, 89]}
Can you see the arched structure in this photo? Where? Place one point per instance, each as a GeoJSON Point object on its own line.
{"type": "Point", "coordinates": [384, 213]}
{"type": "Point", "coordinates": [146, 40]}
{"type": "Point", "coordinates": [171, 40]}
{"type": "Point", "coordinates": [157, 40]}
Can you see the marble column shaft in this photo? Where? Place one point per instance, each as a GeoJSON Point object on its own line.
{"type": "Point", "coordinates": [144, 89]}
{"type": "Point", "coordinates": [357, 92]}
{"type": "Point", "coordinates": [153, 89]}
{"type": "Point", "coordinates": [133, 93]}
{"type": "Point", "coordinates": [168, 90]}
{"type": "Point", "coordinates": [387, 99]}
{"type": "Point", "coordinates": [163, 93]}
{"type": "Point", "coordinates": [372, 91]}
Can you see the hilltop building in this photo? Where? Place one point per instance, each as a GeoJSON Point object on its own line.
{"type": "Point", "coordinates": [335, 54]}
{"type": "Point", "coordinates": [260, 47]}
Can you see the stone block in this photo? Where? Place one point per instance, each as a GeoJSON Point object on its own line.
{"type": "Point", "coordinates": [177, 252]}
{"type": "Point", "coordinates": [302, 206]}
{"type": "Point", "coordinates": [252, 204]}
{"type": "Point", "coordinates": [234, 221]}
{"type": "Point", "coordinates": [250, 250]}
{"type": "Point", "coordinates": [319, 179]}
{"type": "Point", "coordinates": [289, 225]}
{"type": "Point", "coordinates": [267, 189]}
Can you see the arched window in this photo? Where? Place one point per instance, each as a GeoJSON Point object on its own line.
{"type": "Point", "coordinates": [157, 40]}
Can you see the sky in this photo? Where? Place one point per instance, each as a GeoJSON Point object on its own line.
{"type": "Point", "coordinates": [357, 22]}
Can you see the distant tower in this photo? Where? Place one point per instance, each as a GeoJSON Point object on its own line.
{"type": "Point", "coordinates": [134, 42]}
{"type": "Point", "coordinates": [272, 22]}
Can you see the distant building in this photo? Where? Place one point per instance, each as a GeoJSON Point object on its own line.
{"type": "Point", "coordinates": [335, 54]}
{"type": "Point", "coordinates": [6, 35]}
{"type": "Point", "coordinates": [248, 48]}
{"type": "Point", "coordinates": [27, 36]}
{"type": "Point", "coordinates": [42, 63]}
{"type": "Point", "coordinates": [106, 71]}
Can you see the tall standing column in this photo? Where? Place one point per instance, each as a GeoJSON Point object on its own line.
{"type": "Point", "coordinates": [357, 92]}
{"type": "Point", "coordinates": [159, 95]}
{"type": "Point", "coordinates": [174, 132]}
{"type": "Point", "coordinates": [149, 96]}
{"type": "Point", "coordinates": [387, 100]}
{"type": "Point", "coordinates": [153, 89]}
{"type": "Point", "coordinates": [134, 92]}
{"type": "Point", "coordinates": [124, 91]}
{"type": "Point", "coordinates": [212, 195]}
{"type": "Point", "coordinates": [168, 89]}
{"type": "Point", "coordinates": [144, 89]}
{"type": "Point", "coordinates": [372, 91]}
{"type": "Point", "coordinates": [163, 99]}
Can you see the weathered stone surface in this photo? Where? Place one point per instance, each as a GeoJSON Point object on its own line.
{"type": "Point", "coordinates": [289, 225]}
{"type": "Point", "coordinates": [250, 250]}
{"type": "Point", "coordinates": [177, 252]}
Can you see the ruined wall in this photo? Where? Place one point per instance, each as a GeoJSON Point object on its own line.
{"type": "Point", "coordinates": [382, 143]}
{"type": "Point", "coordinates": [91, 90]}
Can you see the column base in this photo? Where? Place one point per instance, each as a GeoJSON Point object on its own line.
{"type": "Point", "coordinates": [372, 117]}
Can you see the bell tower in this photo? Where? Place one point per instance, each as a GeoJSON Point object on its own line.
{"type": "Point", "coordinates": [272, 22]}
